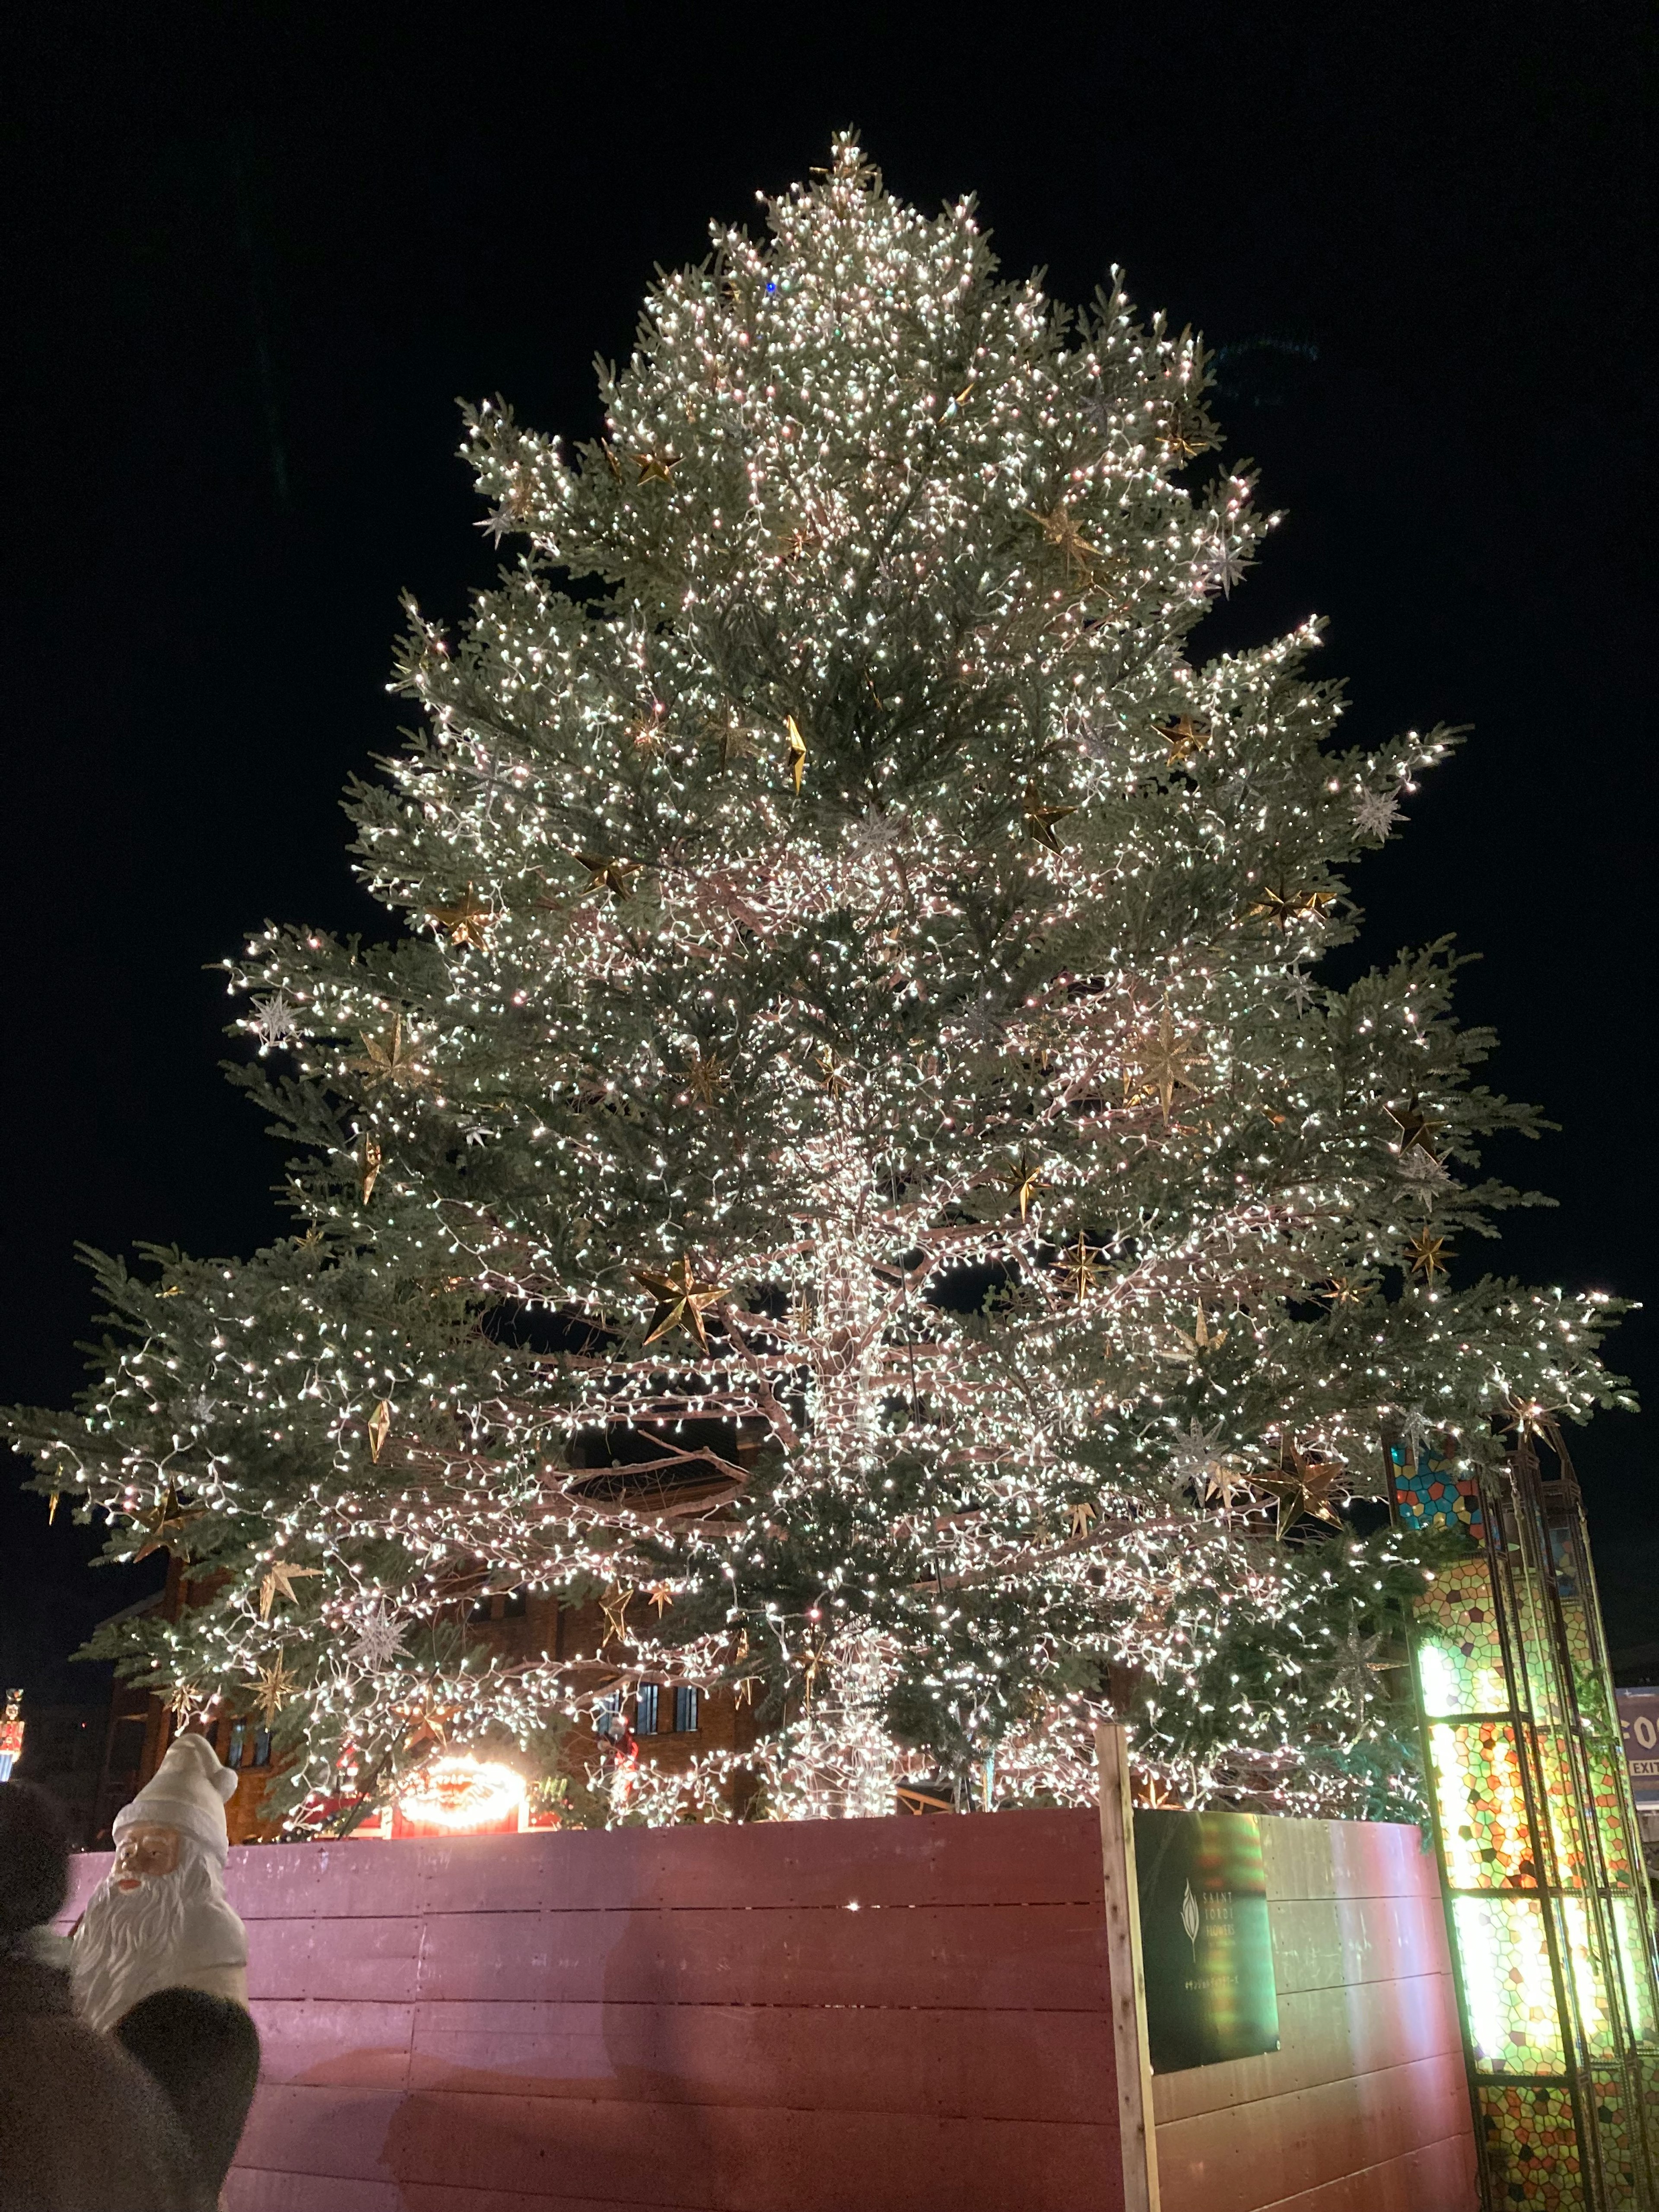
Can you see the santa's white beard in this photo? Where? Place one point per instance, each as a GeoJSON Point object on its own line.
{"type": "Point", "coordinates": [126, 1935]}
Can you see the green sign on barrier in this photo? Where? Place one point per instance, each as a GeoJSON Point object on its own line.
{"type": "Point", "coordinates": [1204, 1938]}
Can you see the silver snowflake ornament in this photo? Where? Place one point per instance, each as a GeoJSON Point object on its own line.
{"type": "Point", "coordinates": [1194, 1455]}
{"type": "Point", "coordinates": [1221, 564]}
{"type": "Point", "coordinates": [1299, 990]}
{"type": "Point", "coordinates": [379, 1640]}
{"type": "Point", "coordinates": [1375, 813]}
{"type": "Point", "coordinates": [1358, 1658]}
{"type": "Point", "coordinates": [512, 514]}
{"type": "Point", "coordinates": [273, 1021]}
{"type": "Point", "coordinates": [873, 836]}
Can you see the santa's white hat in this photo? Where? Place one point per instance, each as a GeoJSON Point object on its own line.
{"type": "Point", "coordinates": [189, 1791]}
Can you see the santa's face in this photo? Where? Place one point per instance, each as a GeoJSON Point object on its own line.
{"type": "Point", "coordinates": [148, 1906]}
{"type": "Point", "coordinates": [145, 1850]}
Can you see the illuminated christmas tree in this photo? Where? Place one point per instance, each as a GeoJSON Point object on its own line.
{"type": "Point", "coordinates": [847, 1158]}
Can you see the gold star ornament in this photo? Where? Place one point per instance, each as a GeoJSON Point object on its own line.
{"type": "Point", "coordinates": [1024, 1178]}
{"type": "Point", "coordinates": [1062, 532]}
{"type": "Point", "coordinates": [1185, 435]}
{"type": "Point", "coordinates": [1281, 907]}
{"type": "Point", "coordinates": [1428, 1256]}
{"type": "Point", "coordinates": [467, 923]}
{"type": "Point", "coordinates": [1223, 1480]}
{"type": "Point", "coordinates": [389, 1059]}
{"type": "Point", "coordinates": [682, 1298]}
{"type": "Point", "coordinates": [1080, 1267]}
{"type": "Point", "coordinates": [278, 1581]}
{"type": "Point", "coordinates": [273, 1688]}
{"type": "Point", "coordinates": [1192, 1348]}
{"type": "Point", "coordinates": [1414, 1126]}
{"type": "Point", "coordinates": [706, 1078]}
{"type": "Point", "coordinates": [379, 1428]}
{"type": "Point", "coordinates": [794, 750]}
{"type": "Point", "coordinates": [830, 1071]}
{"type": "Point", "coordinates": [614, 1606]}
{"type": "Point", "coordinates": [183, 1698]}
{"type": "Point", "coordinates": [164, 1525]}
{"type": "Point", "coordinates": [1040, 818]}
{"type": "Point", "coordinates": [608, 873]}
{"type": "Point", "coordinates": [1162, 1064]}
{"type": "Point", "coordinates": [1303, 1488]}
{"type": "Point", "coordinates": [1184, 738]}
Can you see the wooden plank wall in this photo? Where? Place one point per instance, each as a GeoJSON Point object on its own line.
{"type": "Point", "coordinates": [870, 2013]}
{"type": "Point", "coordinates": [1364, 2107]}
{"type": "Point", "coordinates": [803, 2018]}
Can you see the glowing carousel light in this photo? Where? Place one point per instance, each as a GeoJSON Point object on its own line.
{"type": "Point", "coordinates": [461, 1793]}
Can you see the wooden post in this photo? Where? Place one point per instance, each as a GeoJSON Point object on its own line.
{"type": "Point", "coordinates": [1136, 2129]}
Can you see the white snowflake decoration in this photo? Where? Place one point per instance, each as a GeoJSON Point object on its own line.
{"type": "Point", "coordinates": [873, 836]}
{"type": "Point", "coordinates": [1375, 813]}
{"type": "Point", "coordinates": [1222, 565]}
{"type": "Point", "coordinates": [1299, 990]}
{"type": "Point", "coordinates": [1419, 1166]}
{"type": "Point", "coordinates": [1093, 744]}
{"type": "Point", "coordinates": [273, 1021]}
{"type": "Point", "coordinates": [1194, 1455]}
{"type": "Point", "coordinates": [378, 1642]}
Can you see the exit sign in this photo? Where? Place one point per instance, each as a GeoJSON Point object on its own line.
{"type": "Point", "coordinates": [1639, 1724]}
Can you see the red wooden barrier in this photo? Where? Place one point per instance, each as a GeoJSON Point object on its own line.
{"type": "Point", "coordinates": [809, 2017]}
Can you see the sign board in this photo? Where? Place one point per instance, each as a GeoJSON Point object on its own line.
{"type": "Point", "coordinates": [1639, 1724]}
{"type": "Point", "coordinates": [1204, 1940]}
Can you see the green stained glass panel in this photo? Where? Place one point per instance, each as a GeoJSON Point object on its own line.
{"type": "Point", "coordinates": [1561, 1809]}
{"type": "Point", "coordinates": [1631, 1937]}
{"type": "Point", "coordinates": [1605, 1761]}
{"type": "Point", "coordinates": [1514, 2026]}
{"type": "Point", "coordinates": [1609, 2095]}
{"type": "Point", "coordinates": [1531, 2147]}
{"type": "Point", "coordinates": [1483, 1811]}
{"type": "Point", "coordinates": [1460, 1659]}
{"type": "Point", "coordinates": [1582, 1947]}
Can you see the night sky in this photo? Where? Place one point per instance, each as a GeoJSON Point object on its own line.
{"type": "Point", "coordinates": [258, 251]}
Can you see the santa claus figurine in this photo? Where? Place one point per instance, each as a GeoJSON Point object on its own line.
{"type": "Point", "coordinates": [160, 1919]}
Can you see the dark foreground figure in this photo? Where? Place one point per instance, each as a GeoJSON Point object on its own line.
{"type": "Point", "coordinates": [205, 2051]}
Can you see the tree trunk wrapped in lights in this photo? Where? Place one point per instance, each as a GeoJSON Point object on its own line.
{"type": "Point", "coordinates": [847, 1139]}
